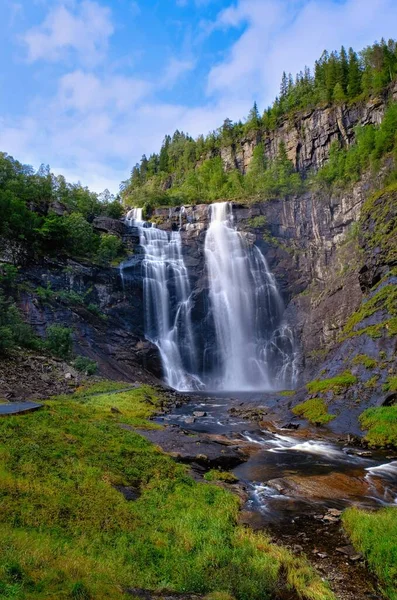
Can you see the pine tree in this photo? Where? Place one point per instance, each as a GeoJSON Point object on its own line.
{"type": "Point", "coordinates": [344, 69]}
{"type": "Point", "coordinates": [355, 75]}
{"type": "Point", "coordinates": [284, 86]}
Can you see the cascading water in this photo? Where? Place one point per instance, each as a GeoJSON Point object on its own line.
{"type": "Point", "coordinates": [167, 302]}
{"type": "Point", "coordinates": [254, 346]}
{"type": "Point", "coordinates": [251, 347]}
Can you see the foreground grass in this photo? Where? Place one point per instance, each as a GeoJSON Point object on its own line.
{"type": "Point", "coordinates": [375, 535]}
{"type": "Point", "coordinates": [314, 410]}
{"type": "Point", "coordinates": [381, 424]}
{"type": "Point", "coordinates": [66, 532]}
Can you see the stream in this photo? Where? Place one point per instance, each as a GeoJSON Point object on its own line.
{"type": "Point", "coordinates": [297, 483]}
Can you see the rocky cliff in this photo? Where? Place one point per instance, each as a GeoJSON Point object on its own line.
{"type": "Point", "coordinates": [308, 135]}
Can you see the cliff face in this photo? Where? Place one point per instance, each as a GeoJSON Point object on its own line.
{"type": "Point", "coordinates": [308, 135]}
{"type": "Point", "coordinates": [327, 253]}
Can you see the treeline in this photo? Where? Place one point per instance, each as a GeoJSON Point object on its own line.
{"type": "Point", "coordinates": [190, 170]}
{"type": "Point", "coordinates": [42, 216]}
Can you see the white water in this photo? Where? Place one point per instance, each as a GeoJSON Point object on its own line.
{"type": "Point", "coordinates": [167, 302]}
{"type": "Point", "coordinates": [251, 348]}
{"type": "Point", "coordinates": [255, 349]}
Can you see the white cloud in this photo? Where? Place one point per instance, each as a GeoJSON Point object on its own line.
{"type": "Point", "coordinates": [84, 30]}
{"type": "Point", "coordinates": [85, 92]}
{"type": "Point", "coordinates": [174, 70]}
{"type": "Point", "coordinates": [284, 36]}
{"type": "Point", "coordinates": [99, 123]}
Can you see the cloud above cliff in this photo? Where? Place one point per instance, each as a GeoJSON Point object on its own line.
{"type": "Point", "coordinates": [90, 86]}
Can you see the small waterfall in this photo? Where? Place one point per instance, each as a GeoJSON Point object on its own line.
{"type": "Point", "coordinates": [167, 302]}
{"type": "Point", "coordinates": [254, 346]}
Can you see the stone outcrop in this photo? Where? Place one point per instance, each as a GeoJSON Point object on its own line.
{"type": "Point", "coordinates": [308, 135]}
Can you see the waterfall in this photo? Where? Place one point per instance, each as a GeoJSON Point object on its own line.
{"type": "Point", "coordinates": [254, 346]}
{"type": "Point", "coordinates": [246, 344]}
{"type": "Point", "coordinates": [167, 302]}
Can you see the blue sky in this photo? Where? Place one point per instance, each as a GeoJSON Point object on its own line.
{"type": "Point", "coordinates": [88, 86]}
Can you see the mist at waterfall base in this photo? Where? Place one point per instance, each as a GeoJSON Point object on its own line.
{"type": "Point", "coordinates": [244, 343]}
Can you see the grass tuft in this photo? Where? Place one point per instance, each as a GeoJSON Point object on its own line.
{"type": "Point", "coordinates": [381, 423]}
{"type": "Point", "coordinates": [334, 384]}
{"type": "Point", "coordinates": [314, 410]}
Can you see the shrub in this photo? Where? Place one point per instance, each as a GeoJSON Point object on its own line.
{"type": "Point", "coordinates": [85, 365]}
{"type": "Point", "coordinates": [82, 241]}
{"type": "Point", "coordinates": [110, 247]}
{"type": "Point", "coordinates": [59, 341]}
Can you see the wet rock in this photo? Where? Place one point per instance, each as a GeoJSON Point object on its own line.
{"type": "Point", "coordinates": [357, 452]}
{"type": "Point", "coordinates": [130, 493]}
{"type": "Point", "coordinates": [291, 426]}
{"type": "Point", "coordinates": [189, 420]}
{"type": "Point", "coordinates": [199, 414]}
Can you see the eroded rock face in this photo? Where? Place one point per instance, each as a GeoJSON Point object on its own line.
{"type": "Point", "coordinates": [106, 316]}
{"type": "Point", "coordinates": [308, 135]}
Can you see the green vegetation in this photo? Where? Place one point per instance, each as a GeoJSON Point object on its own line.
{"type": "Point", "coordinates": [365, 361]}
{"type": "Point", "coordinates": [257, 222]}
{"type": "Point", "coordinates": [371, 143]}
{"type": "Point", "coordinates": [391, 384]}
{"type": "Point", "coordinates": [381, 423]}
{"type": "Point", "coordinates": [31, 226]}
{"type": "Point", "coordinates": [59, 341]}
{"type": "Point", "coordinates": [190, 171]}
{"type": "Point", "coordinates": [375, 534]}
{"type": "Point", "coordinates": [383, 298]}
{"type": "Point", "coordinates": [314, 410]}
{"type": "Point", "coordinates": [67, 532]}
{"type": "Point", "coordinates": [85, 365]}
{"type": "Point", "coordinates": [13, 331]}
{"type": "Point", "coordinates": [335, 384]}
{"type": "Point", "coordinates": [225, 476]}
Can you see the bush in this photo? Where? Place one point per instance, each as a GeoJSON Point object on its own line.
{"type": "Point", "coordinates": [85, 365]}
{"type": "Point", "coordinates": [82, 240]}
{"type": "Point", "coordinates": [59, 341]}
{"type": "Point", "coordinates": [13, 330]}
{"type": "Point", "coordinates": [110, 247]}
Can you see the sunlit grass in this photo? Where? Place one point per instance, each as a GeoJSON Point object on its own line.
{"type": "Point", "coordinates": [67, 532]}
{"type": "Point", "coordinates": [375, 535]}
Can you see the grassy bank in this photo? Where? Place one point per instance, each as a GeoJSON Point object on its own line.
{"type": "Point", "coordinates": [68, 533]}
{"type": "Point", "coordinates": [375, 535]}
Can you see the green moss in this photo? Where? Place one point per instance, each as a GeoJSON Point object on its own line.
{"type": "Point", "coordinates": [364, 360]}
{"type": "Point", "coordinates": [381, 423]}
{"type": "Point", "coordinates": [67, 532]}
{"type": "Point", "coordinates": [375, 534]}
{"type": "Point", "coordinates": [334, 384]}
{"type": "Point", "coordinates": [384, 299]}
{"type": "Point", "coordinates": [287, 393]}
{"type": "Point", "coordinates": [372, 382]}
{"type": "Point", "coordinates": [391, 384]}
{"type": "Point", "coordinates": [380, 211]}
{"type": "Point", "coordinates": [215, 475]}
{"type": "Point", "coordinates": [314, 410]}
